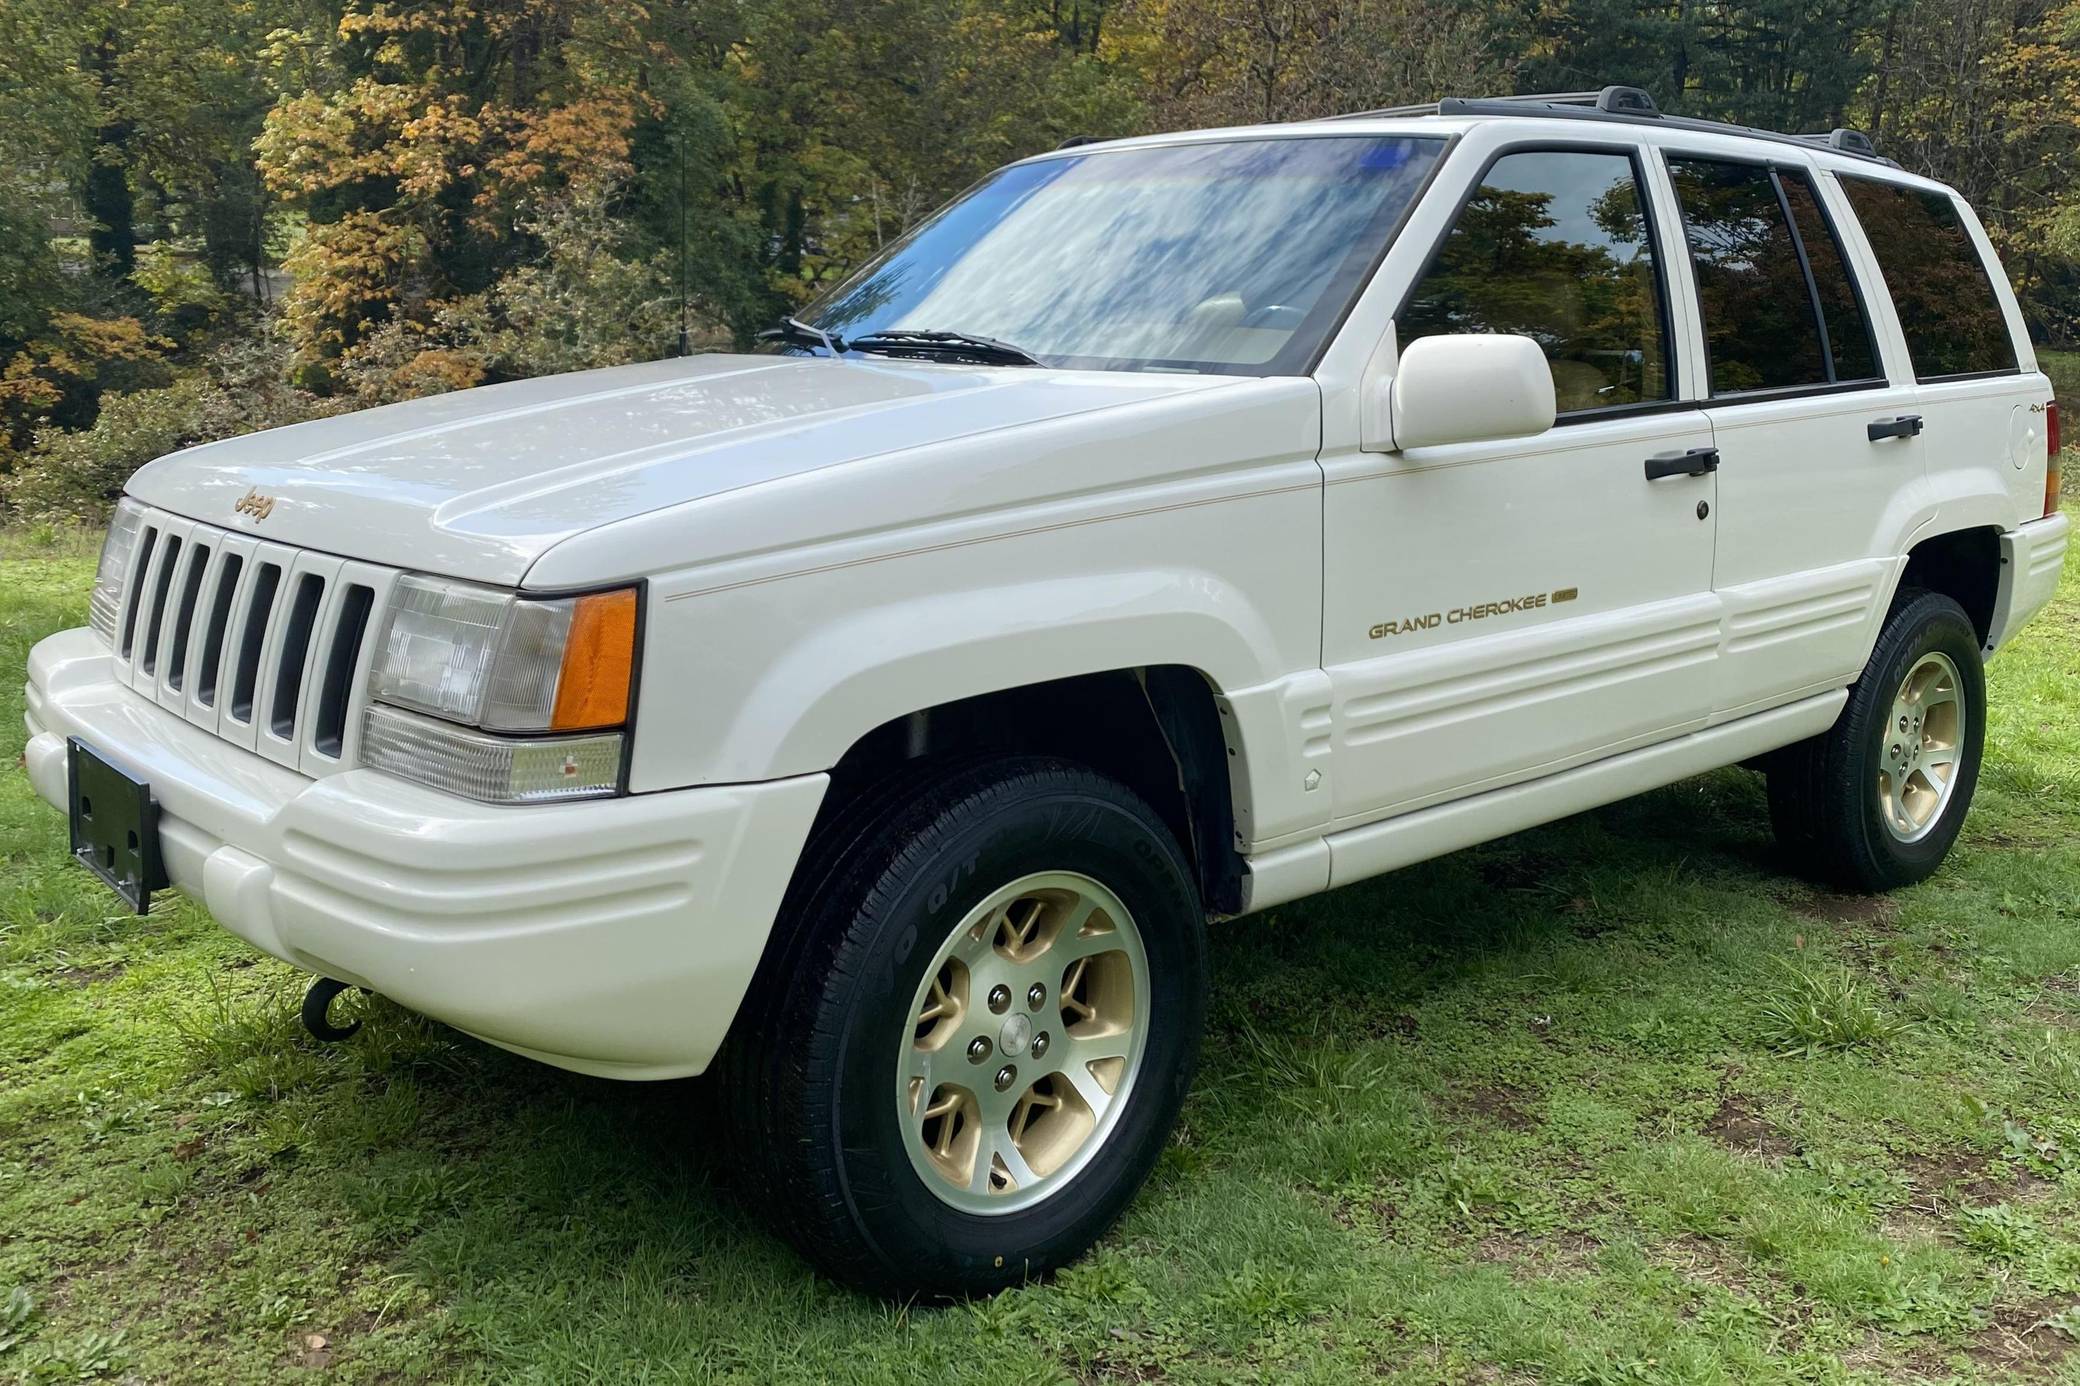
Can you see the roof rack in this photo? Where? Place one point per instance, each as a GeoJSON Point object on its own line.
{"type": "Point", "coordinates": [1628, 104]}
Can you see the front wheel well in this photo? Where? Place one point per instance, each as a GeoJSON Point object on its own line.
{"type": "Point", "coordinates": [1157, 730]}
{"type": "Point", "coordinates": [1965, 566]}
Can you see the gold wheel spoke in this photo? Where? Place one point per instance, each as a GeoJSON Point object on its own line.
{"type": "Point", "coordinates": [1090, 1049]}
{"type": "Point", "coordinates": [1072, 990]}
{"type": "Point", "coordinates": [1074, 944]}
{"type": "Point", "coordinates": [1029, 1105]}
{"type": "Point", "coordinates": [938, 1006]}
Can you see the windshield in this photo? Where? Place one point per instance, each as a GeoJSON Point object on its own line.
{"type": "Point", "coordinates": [1237, 257]}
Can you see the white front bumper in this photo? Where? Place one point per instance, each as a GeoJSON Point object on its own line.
{"type": "Point", "coordinates": [614, 937]}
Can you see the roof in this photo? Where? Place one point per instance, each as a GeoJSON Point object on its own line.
{"type": "Point", "coordinates": [1453, 114]}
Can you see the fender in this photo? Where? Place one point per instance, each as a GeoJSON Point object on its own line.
{"type": "Point", "coordinates": [864, 668]}
{"type": "Point", "coordinates": [768, 679]}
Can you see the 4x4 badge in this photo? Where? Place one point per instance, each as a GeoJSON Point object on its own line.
{"type": "Point", "coordinates": [254, 504]}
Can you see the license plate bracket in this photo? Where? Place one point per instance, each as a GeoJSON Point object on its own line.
{"type": "Point", "coordinates": [115, 827]}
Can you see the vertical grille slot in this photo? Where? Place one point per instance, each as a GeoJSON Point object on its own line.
{"type": "Point", "coordinates": [254, 634]}
{"type": "Point", "coordinates": [329, 733]}
{"type": "Point", "coordinates": [296, 645]}
{"type": "Point", "coordinates": [184, 615]}
{"type": "Point", "coordinates": [160, 584]}
{"type": "Point", "coordinates": [141, 574]}
{"type": "Point", "coordinates": [213, 632]}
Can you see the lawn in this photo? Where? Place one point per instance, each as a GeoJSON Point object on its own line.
{"type": "Point", "coordinates": [1616, 1100]}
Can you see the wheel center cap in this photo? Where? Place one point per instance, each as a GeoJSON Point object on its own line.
{"type": "Point", "coordinates": [1016, 1035]}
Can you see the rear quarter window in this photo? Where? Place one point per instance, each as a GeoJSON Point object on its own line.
{"type": "Point", "coordinates": [1947, 307]}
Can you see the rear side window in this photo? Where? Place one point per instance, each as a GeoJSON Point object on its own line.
{"type": "Point", "coordinates": [1947, 307]}
{"type": "Point", "coordinates": [1556, 246]}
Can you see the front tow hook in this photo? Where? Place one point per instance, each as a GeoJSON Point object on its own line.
{"type": "Point", "coordinates": [317, 1005]}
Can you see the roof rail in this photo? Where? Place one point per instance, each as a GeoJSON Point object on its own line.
{"type": "Point", "coordinates": [1611, 100]}
{"type": "Point", "coordinates": [1845, 140]}
{"type": "Point", "coordinates": [1629, 104]}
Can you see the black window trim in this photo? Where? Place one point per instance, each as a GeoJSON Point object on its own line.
{"type": "Point", "coordinates": [1961, 209]}
{"type": "Point", "coordinates": [1632, 151]}
{"type": "Point", "coordinates": [1772, 394]}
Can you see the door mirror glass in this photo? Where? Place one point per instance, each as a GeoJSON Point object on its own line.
{"type": "Point", "coordinates": [1470, 388]}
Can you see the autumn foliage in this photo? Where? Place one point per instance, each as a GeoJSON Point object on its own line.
{"type": "Point", "coordinates": [242, 212]}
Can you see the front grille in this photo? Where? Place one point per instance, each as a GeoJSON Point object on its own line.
{"type": "Point", "coordinates": [261, 644]}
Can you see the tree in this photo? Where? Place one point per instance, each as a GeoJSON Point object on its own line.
{"type": "Point", "coordinates": [441, 125]}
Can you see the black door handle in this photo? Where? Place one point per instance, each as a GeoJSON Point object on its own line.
{"type": "Point", "coordinates": [1693, 462]}
{"type": "Point", "coordinates": [1905, 426]}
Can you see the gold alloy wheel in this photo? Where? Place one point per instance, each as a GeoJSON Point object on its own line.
{"type": "Point", "coordinates": [1923, 748]}
{"type": "Point", "coordinates": [1025, 1038]}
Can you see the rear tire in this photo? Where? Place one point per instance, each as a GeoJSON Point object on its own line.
{"type": "Point", "coordinates": [1875, 802]}
{"type": "Point", "coordinates": [919, 963]}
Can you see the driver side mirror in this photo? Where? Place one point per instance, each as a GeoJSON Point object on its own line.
{"type": "Point", "coordinates": [1461, 388]}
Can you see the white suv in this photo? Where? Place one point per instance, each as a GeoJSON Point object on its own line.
{"type": "Point", "coordinates": [1167, 529]}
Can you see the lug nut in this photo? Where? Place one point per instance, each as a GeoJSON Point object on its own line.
{"type": "Point", "coordinates": [1036, 996]}
{"type": "Point", "coordinates": [1040, 1045]}
{"type": "Point", "coordinates": [1000, 998]}
{"type": "Point", "coordinates": [978, 1049]}
{"type": "Point", "coordinates": [1006, 1076]}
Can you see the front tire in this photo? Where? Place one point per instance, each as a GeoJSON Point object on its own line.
{"type": "Point", "coordinates": [971, 1038]}
{"type": "Point", "coordinates": [1875, 802]}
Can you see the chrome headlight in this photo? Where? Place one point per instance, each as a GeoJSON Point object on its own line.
{"type": "Point", "coordinates": [501, 662]}
{"type": "Point", "coordinates": [105, 603]}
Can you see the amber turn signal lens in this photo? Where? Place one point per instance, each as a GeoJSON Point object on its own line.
{"type": "Point", "coordinates": [598, 662]}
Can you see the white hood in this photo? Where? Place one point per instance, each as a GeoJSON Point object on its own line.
{"type": "Point", "coordinates": [480, 483]}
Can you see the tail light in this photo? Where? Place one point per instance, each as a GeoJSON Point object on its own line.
{"type": "Point", "coordinates": [2051, 452]}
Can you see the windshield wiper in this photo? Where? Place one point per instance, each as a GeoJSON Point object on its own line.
{"type": "Point", "coordinates": [898, 341]}
{"type": "Point", "coordinates": [795, 332]}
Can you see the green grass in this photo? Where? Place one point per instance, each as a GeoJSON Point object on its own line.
{"type": "Point", "coordinates": [1611, 1101]}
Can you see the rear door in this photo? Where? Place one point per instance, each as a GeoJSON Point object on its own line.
{"type": "Point", "coordinates": [1982, 415]}
{"type": "Point", "coordinates": [1819, 459]}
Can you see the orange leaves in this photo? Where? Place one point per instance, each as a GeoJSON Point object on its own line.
{"type": "Point", "coordinates": [490, 106]}
{"type": "Point", "coordinates": [345, 273]}
{"type": "Point", "coordinates": [585, 141]}
{"type": "Point", "coordinates": [72, 350]}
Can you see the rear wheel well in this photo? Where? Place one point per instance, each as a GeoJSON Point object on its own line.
{"type": "Point", "coordinates": [1964, 566]}
{"type": "Point", "coordinates": [1156, 730]}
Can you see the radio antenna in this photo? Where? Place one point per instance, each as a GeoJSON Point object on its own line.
{"type": "Point", "coordinates": [685, 309]}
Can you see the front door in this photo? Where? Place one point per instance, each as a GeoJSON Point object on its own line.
{"type": "Point", "coordinates": [1498, 611]}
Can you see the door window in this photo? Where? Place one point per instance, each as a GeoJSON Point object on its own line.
{"type": "Point", "coordinates": [1780, 311]}
{"type": "Point", "coordinates": [1842, 316]}
{"type": "Point", "coordinates": [1947, 307]}
{"type": "Point", "coordinates": [1557, 246]}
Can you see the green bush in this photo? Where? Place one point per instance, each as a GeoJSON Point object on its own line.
{"type": "Point", "coordinates": [77, 475]}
